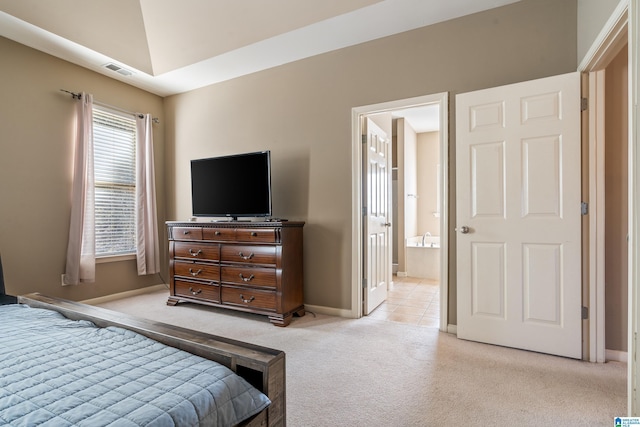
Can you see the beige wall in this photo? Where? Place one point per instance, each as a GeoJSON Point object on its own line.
{"type": "Point", "coordinates": [616, 202]}
{"type": "Point", "coordinates": [397, 222]}
{"type": "Point", "coordinates": [36, 128]}
{"type": "Point", "coordinates": [410, 173]}
{"type": "Point", "coordinates": [428, 155]}
{"type": "Point", "coordinates": [302, 113]}
{"type": "Point", "coordinates": [407, 220]}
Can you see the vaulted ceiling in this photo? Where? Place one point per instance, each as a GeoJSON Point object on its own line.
{"type": "Point", "coordinates": [169, 46]}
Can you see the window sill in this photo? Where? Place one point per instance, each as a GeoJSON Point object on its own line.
{"type": "Point", "coordinates": [114, 258]}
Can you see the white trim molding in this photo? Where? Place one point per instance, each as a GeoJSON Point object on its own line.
{"type": "Point", "coordinates": [596, 218]}
{"type": "Point", "coordinates": [609, 41]}
{"type": "Point", "coordinates": [329, 311]}
{"type": "Point", "coordinates": [616, 356]}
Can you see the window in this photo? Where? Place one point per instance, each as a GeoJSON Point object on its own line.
{"type": "Point", "coordinates": [114, 140]}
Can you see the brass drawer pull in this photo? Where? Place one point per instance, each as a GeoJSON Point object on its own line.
{"type": "Point", "coordinates": [195, 273]}
{"type": "Point", "coordinates": [246, 301]}
{"type": "Point", "coordinates": [245, 257]}
{"type": "Point", "coordinates": [194, 292]}
{"type": "Point", "coordinates": [185, 232]}
{"type": "Point", "coordinates": [246, 279]}
{"type": "Point", "coordinates": [195, 253]}
{"type": "Point", "coordinates": [217, 233]}
{"type": "Point", "coordinates": [254, 234]}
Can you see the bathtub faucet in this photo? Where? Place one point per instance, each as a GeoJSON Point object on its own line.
{"type": "Point", "coordinates": [425, 236]}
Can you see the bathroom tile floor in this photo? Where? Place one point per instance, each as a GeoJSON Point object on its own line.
{"type": "Point", "coordinates": [411, 300]}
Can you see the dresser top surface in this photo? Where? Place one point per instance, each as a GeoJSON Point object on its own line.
{"type": "Point", "coordinates": [234, 224]}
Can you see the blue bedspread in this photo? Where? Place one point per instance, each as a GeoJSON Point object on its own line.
{"type": "Point", "coordinates": [59, 372]}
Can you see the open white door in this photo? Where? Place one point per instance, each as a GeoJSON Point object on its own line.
{"type": "Point", "coordinates": [519, 215]}
{"type": "Point", "coordinates": [376, 158]}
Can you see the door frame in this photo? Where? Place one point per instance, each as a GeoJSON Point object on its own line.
{"type": "Point", "coordinates": [596, 233]}
{"type": "Point", "coordinates": [442, 99]}
{"type": "Point", "coordinates": [607, 45]}
{"type": "Point", "coordinates": [624, 24]}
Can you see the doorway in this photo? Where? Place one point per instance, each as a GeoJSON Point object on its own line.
{"type": "Point", "coordinates": [431, 235]}
{"type": "Point", "coordinates": [609, 207]}
{"type": "Point", "coordinates": [616, 207]}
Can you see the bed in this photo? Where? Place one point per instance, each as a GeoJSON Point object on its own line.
{"type": "Point", "coordinates": [150, 373]}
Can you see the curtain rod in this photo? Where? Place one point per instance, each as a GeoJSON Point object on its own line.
{"type": "Point", "coordinates": [75, 95]}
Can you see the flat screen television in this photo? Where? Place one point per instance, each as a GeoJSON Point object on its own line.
{"type": "Point", "coordinates": [232, 186]}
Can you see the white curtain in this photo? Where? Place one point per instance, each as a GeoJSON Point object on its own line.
{"type": "Point", "coordinates": [81, 258]}
{"type": "Point", "coordinates": [147, 246]}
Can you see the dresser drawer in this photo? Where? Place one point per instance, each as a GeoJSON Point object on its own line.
{"type": "Point", "coordinates": [252, 276]}
{"type": "Point", "coordinates": [187, 233]}
{"type": "Point", "coordinates": [197, 290]}
{"type": "Point", "coordinates": [224, 234]}
{"type": "Point", "coordinates": [261, 235]}
{"type": "Point", "coordinates": [248, 254]}
{"type": "Point", "coordinates": [249, 298]}
{"type": "Point", "coordinates": [197, 270]}
{"type": "Point", "coordinates": [210, 252]}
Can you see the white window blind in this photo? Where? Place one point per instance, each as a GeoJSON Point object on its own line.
{"type": "Point", "coordinates": [114, 139]}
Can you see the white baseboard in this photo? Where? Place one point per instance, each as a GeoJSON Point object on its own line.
{"type": "Point", "coordinates": [402, 274]}
{"type": "Point", "coordinates": [329, 311]}
{"type": "Point", "coordinates": [616, 356]}
{"type": "Point", "coordinates": [120, 295]}
{"type": "Point", "coordinates": [610, 355]}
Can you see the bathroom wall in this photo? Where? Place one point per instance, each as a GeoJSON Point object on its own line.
{"type": "Point", "coordinates": [417, 157]}
{"type": "Point", "coordinates": [410, 172]}
{"type": "Point", "coordinates": [407, 184]}
{"type": "Point", "coordinates": [428, 155]}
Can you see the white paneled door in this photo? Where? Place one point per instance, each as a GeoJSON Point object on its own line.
{"type": "Point", "coordinates": [376, 166]}
{"type": "Point", "coordinates": [519, 215]}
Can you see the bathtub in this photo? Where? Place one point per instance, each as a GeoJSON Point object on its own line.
{"type": "Point", "coordinates": [423, 261]}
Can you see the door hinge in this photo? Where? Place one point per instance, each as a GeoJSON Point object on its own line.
{"type": "Point", "coordinates": [584, 208]}
{"type": "Point", "coordinates": [364, 283]}
{"type": "Point", "coordinates": [585, 313]}
{"type": "Point", "coordinates": [584, 104]}
{"type": "Point", "coordinates": [364, 139]}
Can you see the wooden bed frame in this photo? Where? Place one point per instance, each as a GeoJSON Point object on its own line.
{"type": "Point", "coordinates": [263, 367]}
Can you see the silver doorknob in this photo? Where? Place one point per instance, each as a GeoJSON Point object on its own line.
{"type": "Point", "coordinates": [387, 224]}
{"type": "Point", "coordinates": [464, 229]}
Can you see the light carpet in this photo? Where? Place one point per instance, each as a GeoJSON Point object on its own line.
{"type": "Point", "coordinates": [368, 372]}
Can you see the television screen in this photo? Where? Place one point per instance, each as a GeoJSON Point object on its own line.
{"type": "Point", "coordinates": [232, 186]}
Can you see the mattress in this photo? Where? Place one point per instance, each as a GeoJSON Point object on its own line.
{"type": "Point", "coordinates": [59, 372]}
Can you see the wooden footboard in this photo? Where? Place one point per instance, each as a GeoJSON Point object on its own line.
{"type": "Point", "coordinates": [263, 367]}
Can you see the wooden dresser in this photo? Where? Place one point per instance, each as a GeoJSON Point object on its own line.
{"type": "Point", "coordinates": [247, 266]}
